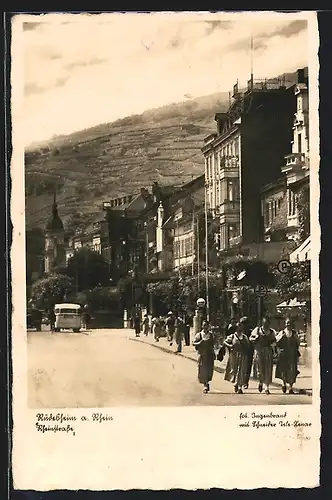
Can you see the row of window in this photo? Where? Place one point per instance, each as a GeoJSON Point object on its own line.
{"type": "Point", "coordinates": [183, 247]}
{"type": "Point", "coordinates": [224, 190]}
{"type": "Point", "coordinates": [227, 232]}
{"type": "Point", "coordinates": [271, 211]}
{"type": "Point", "coordinates": [272, 207]}
{"type": "Point", "coordinates": [291, 203]}
{"type": "Point", "coordinates": [231, 150]}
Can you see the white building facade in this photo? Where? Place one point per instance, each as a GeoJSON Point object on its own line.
{"type": "Point", "coordinates": [297, 167]}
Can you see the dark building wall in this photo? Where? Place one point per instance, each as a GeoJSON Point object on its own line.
{"type": "Point", "coordinates": [266, 135]}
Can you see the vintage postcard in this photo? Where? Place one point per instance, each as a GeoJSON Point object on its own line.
{"type": "Point", "coordinates": [165, 251]}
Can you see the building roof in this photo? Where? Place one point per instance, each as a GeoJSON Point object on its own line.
{"type": "Point", "coordinates": [272, 186]}
{"type": "Point", "coordinates": [54, 223]}
{"type": "Point", "coordinates": [99, 217]}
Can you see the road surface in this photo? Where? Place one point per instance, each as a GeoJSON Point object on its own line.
{"type": "Point", "coordinates": [104, 368]}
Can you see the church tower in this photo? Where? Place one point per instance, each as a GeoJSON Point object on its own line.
{"type": "Point", "coordinates": [54, 240]}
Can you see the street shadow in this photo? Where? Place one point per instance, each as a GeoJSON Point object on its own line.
{"type": "Point", "coordinates": [256, 393]}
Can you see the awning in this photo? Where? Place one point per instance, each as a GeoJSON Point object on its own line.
{"type": "Point", "coordinates": [302, 252]}
{"type": "Point", "coordinates": [290, 304]}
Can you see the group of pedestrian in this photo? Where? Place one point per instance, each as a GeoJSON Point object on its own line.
{"type": "Point", "coordinates": [175, 327]}
{"type": "Point", "coordinates": [250, 350]}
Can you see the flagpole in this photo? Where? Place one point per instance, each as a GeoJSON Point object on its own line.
{"type": "Point", "coordinates": [252, 60]}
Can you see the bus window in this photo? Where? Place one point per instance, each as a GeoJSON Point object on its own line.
{"type": "Point", "coordinates": [68, 311]}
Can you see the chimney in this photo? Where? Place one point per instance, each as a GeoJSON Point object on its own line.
{"type": "Point", "coordinates": [156, 191]}
{"type": "Point", "coordinates": [300, 76]}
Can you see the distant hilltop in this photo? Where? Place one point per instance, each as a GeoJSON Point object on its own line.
{"type": "Point", "coordinates": [117, 159]}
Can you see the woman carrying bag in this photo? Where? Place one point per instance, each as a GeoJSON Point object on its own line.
{"type": "Point", "coordinates": [239, 353]}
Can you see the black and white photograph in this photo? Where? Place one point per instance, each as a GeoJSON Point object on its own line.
{"type": "Point", "coordinates": [167, 231]}
{"type": "Point", "coordinates": [170, 176]}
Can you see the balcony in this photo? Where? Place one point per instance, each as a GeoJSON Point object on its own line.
{"type": "Point", "coordinates": [266, 84]}
{"type": "Point", "coordinates": [229, 208]}
{"type": "Point", "coordinates": [229, 167]}
{"type": "Point", "coordinates": [295, 159]}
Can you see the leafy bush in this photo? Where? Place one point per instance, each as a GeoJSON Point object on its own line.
{"type": "Point", "coordinates": [51, 290]}
{"type": "Point", "coordinates": [294, 283]}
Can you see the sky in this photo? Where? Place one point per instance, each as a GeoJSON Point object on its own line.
{"type": "Point", "coordinates": [83, 70]}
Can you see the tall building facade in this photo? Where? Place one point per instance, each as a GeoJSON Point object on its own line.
{"type": "Point", "coordinates": [246, 153]}
{"type": "Point", "coordinates": [297, 165]}
{"type": "Point", "coordinates": [285, 204]}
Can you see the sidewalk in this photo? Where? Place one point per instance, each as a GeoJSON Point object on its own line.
{"type": "Point", "coordinates": [303, 383]}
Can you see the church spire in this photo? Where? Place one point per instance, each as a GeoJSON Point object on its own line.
{"type": "Point", "coordinates": [54, 223]}
{"type": "Point", "coordinates": [55, 206]}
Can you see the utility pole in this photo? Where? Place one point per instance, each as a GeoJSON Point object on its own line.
{"type": "Point", "coordinates": [179, 244]}
{"type": "Point", "coordinates": [206, 258]}
{"type": "Point", "coordinates": [252, 61]}
{"type": "Point", "coordinates": [147, 247]}
{"type": "Point", "coordinates": [193, 247]}
{"type": "Point", "coordinates": [198, 257]}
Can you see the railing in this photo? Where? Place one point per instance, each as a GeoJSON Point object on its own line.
{"type": "Point", "coordinates": [229, 162]}
{"type": "Point", "coordinates": [229, 207]}
{"type": "Point", "coordinates": [260, 84]}
{"type": "Point", "coordinates": [266, 84]}
{"type": "Point", "coordinates": [295, 159]}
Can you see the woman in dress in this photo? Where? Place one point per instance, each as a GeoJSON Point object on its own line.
{"type": "Point", "coordinates": [247, 332]}
{"type": "Point", "coordinates": [288, 345]}
{"type": "Point", "coordinates": [263, 339]}
{"type": "Point", "coordinates": [145, 324]}
{"type": "Point", "coordinates": [239, 349]}
{"type": "Point", "coordinates": [204, 344]}
{"type": "Point", "coordinates": [156, 328]}
{"type": "Point", "coordinates": [137, 325]}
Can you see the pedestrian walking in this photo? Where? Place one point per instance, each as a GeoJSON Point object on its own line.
{"type": "Point", "coordinates": [204, 345]}
{"type": "Point", "coordinates": [186, 329]}
{"type": "Point", "coordinates": [145, 325]}
{"type": "Point", "coordinates": [156, 328]}
{"type": "Point", "coordinates": [179, 331]}
{"type": "Point", "coordinates": [231, 328]}
{"type": "Point", "coordinates": [51, 318]}
{"type": "Point", "coordinates": [239, 351]}
{"type": "Point", "coordinates": [263, 339]}
{"type": "Point", "coordinates": [247, 332]}
{"type": "Point", "coordinates": [288, 343]}
{"type": "Point", "coordinates": [162, 322]}
{"type": "Point", "coordinates": [85, 317]}
{"type": "Point", "coordinates": [170, 327]}
{"type": "Point", "coordinates": [137, 325]}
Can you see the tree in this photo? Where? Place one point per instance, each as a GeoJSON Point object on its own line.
{"type": "Point", "coordinates": [88, 269]}
{"type": "Point", "coordinates": [296, 282]}
{"type": "Point", "coordinates": [180, 292]}
{"type": "Point", "coordinates": [303, 207]}
{"type": "Point", "coordinates": [35, 243]}
{"type": "Point", "coordinates": [51, 290]}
